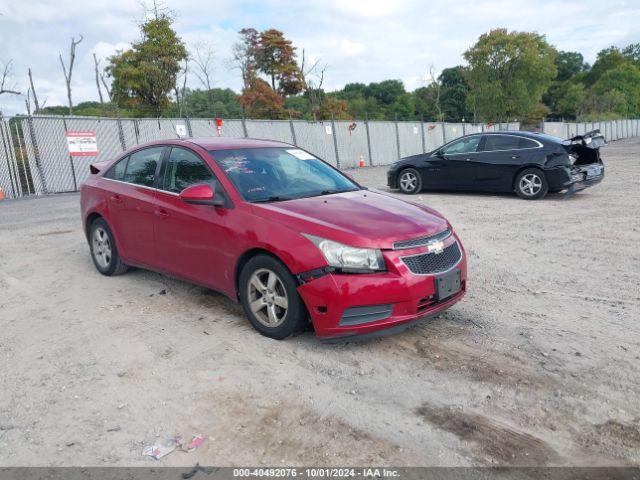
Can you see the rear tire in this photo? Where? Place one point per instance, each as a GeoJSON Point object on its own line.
{"type": "Point", "coordinates": [269, 298]}
{"type": "Point", "coordinates": [531, 184]}
{"type": "Point", "coordinates": [104, 251]}
{"type": "Point", "coordinates": [409, 181]}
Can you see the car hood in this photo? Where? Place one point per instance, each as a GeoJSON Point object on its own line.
{"type": "Point", "coordinates": [363, 218]}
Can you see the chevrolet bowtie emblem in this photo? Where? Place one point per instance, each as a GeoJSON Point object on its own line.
{"type": "Point", "coordinates": [436, 247]}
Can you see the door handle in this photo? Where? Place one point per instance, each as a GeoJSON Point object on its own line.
{"type": "Point", "coordinates": [515, 156]}
{"type": "Point", "coordinates": [116, 198]}
{"type": "Point", "coordinates": [468, 159]}
{"type": "Point", "coordinates": [162, 213]}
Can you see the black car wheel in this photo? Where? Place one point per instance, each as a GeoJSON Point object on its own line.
{"type": "Point", "coordinates": [531, 184]}
{"type": "Point", "coordinates": [269, 298]}
{"type": "Point", "coordinates": [409, 181]}
{"type": "Point", "coordinates": [103, 249]}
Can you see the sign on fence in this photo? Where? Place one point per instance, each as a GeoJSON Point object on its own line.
{"type": "Point", "coordinates": [82, 144]}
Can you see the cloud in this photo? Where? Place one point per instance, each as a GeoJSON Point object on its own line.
{"type": "Point", "coordinates": [359, 40]}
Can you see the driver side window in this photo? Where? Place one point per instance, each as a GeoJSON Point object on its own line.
{"type": "Point", "coordinates": [464, 145]}
{"type": "Point", "coordinates": [184, 168]}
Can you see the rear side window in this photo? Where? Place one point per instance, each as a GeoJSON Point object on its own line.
{"type": "Point", "coordinates": [117, 171]}
{"type": "Point", "coordinates": [184, 169]}
{"type": "Point", "coordinates": [141, 168]}
{"type": "Point", "coordinates": [507, 142]}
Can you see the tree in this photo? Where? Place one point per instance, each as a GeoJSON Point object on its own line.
{"type": "Point", "coordinates": [68, 73]}
{"type": "Point", "coordinates": [6, 73]}
{"type": "Point", "coordinates": [569, 64]}
{"type": "Point", "coordinates": [144, 75]}
{"type": "Point", "coordinates": [454, 94]}
{"type": "Point", "coordinates": [96, 65]}
{"type": "Point", "coordinates": [312, 80]}
{"type": "Point", "coordinates": [202, 57]}
{"type": "Point", "coordinates": [607, 59]}
{"type": "Point", "coordinates": [276, 58]}
{"type": "Point", "coordinates": [244, 55]}
{"type": "Point", "coordinates": [565, 99]}
{"type": "Point", "coordinates": [632, 52]}
{"type": "Point", "coordinates": [261, 101]}
{"type": "Point", "coordinates": [508, 73]}
{"type": "Point", "coordinates": [625, 81]}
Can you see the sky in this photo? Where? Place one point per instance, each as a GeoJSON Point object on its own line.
{"type": "Point", "coordinates": [358, 40]}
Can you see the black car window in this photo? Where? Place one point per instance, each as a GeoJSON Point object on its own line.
{"type": "Point", "coordinates": [184, 169]}
{"type": "Point", "coordinates": [464, 145]}
{"type": "Point", "coordinates": [117, 171]}
{"type": "Point", "coordinates": [527, 143]}
{"type": "Point", "coordinates": [141, 168]}
{"type": "Point", "coordinates": [507, 142]}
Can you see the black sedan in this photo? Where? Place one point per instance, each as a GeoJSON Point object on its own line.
{"type": "Point", "coordinates": [531, 164]}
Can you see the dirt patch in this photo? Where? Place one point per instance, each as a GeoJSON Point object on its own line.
{"type": "Point", "coordinates": [492, 442]}
{"type": "Point", "coordinates": [614, 437]}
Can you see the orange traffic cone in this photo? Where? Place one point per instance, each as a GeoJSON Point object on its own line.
{"type": "Point", "coordinates": [361, 163]}
{"type": "Point", "coordinates": [1, 194]}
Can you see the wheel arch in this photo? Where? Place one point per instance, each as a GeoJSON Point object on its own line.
{"type": "Point", "coordinates": [248, 255]}
{"type": "Point", "coordinates": [90, 219]}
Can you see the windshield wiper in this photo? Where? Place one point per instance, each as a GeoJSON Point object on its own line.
{"type": "Point", "coordinates": [274, 198]}
{"type": "Point", "coordinates": [331, 192]}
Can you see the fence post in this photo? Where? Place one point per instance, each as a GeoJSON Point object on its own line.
{"type": "Point", "coordinates": [7, 154]}
{"type": "Point", "coordinates": [424, 140]}
{"type": "Point", "coordinates": [123, 143]}
{"type": "Point", "coordinates": [13, 158]}
{"type": "Point", "coordinates": [136, 130]}
{"type": "Point", "coordinates": [397, 137]}
{"type": "Point", "coordinates": [293, 131]}
{"type": "Point", "coordinates": [444, 133]}
{"type": "Point", "coordinates": [366, 127]}
{"type": "Point", "coordinates": [36, 154]}
{"type": "Point", "coordinates": [22, 150]}
{"type": "Point", "coordinates": [73, 168]}
{"type": "Point", "coordinates": [188, 122]}
{"type": "Point", "coordinates": [335, 141]}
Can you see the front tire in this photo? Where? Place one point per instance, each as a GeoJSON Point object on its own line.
{"type": "Point", "coordinates": [104, 252]}
{"type": "Point", "coordinates": [410, 181]}
{"type": "Point", "coordinates": [531, 184]}
{"type": "Point", "coordinates": [270, 299]}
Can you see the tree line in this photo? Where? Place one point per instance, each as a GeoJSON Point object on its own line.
{"type": "Point", "coordinates": [508, 75]}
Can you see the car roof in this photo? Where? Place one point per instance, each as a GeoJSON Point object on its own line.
{"type": "Point", "coordinates": [228, 143]}
{"type": "Point", "coordinates": [534, 135]}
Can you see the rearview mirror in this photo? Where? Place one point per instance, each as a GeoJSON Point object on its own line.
{"type": "Point", "coordinates": [201, 194]}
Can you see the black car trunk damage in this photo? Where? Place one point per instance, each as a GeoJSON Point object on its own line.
{"type": "Point", "coordinates": [585, 148]}
{"type": "Point", "coordinates": [586, 168]}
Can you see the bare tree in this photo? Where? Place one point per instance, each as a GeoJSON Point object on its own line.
{"type": "Point", "coordinates": [35, 96]}
{"type": "Point", "coordinates": [244, 55]}
{"type": "Point", "coordinates": [67, 74]}
{"type": "Point", "coordinates": [437, 84]}
{"type": "Point", "coordinates": [181, 92]}
{"type": "Point", "coordinates": [313, 78]}
{"type": "Point", "coordinates": [6, 73]}
{"type": "Point", "coordinates": [106, 87]}
{"type": "Point", "coordinates": [96, 64]}
{"type": "Point", "coordinates": [203, 56]}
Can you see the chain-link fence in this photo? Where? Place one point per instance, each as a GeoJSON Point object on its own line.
{"type": "Point", "coordinates": [35, 153]}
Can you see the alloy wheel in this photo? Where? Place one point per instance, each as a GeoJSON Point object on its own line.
{"type": "Point", "coordinates": [530, 184]}
{"type": "Point", "coordinates": [101, 250]}
{"type": "Point", "coordinates": [267, 297]}
{"type": "Point", "coordinates": [408, 181]}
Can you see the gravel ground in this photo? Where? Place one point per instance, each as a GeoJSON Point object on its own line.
{"type": "Point", "coordinates": [538, 365]}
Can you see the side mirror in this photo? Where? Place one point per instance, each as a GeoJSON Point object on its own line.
{"type": "Point", "coordinates": [201, 194]}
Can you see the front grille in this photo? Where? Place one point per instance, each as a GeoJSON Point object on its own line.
{"type": "Point", "coordinates": [430, 263]}
{"type": "Point", "coordinates": [421, 241]}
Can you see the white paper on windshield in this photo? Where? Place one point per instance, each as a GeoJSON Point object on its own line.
{"type": "Point", "coordinates": [301, 154]}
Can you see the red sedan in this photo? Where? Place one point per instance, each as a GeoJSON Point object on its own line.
{"type": "Point", "coordinates": [272, 226]}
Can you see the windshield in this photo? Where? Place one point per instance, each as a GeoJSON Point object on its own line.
{"type": "Point", "coordinates": [273, 174]}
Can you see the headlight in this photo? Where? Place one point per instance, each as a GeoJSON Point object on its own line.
{"type": "Point", "coordinates": [348, 258]}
